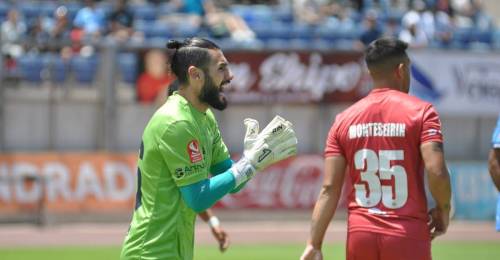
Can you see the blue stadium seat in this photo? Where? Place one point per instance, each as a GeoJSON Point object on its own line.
{"type": "Point", "coordinates": [332, 34]}
{"type": "Point", "coordinates": [302, 31]}
{"type": "Point", "coordinates": [242, 11]}
{"type": "Point", "coordinates": [344, 44]}
{"type": "Point", "coordinates": [154, 29]}
{"type": "Point", "coordinates": [267, 31]}
{"type": "Point", "coordinates": [299, 44]}
{"type": "Point", "coordinates": [85, 68]}
{"type": "Point", "coordinates": [321, 45]}
{"type": "Point", "coordinates": [277, 44]}
{"type": "Point", "coordinates": [4, 9]}
{"type": "Point", "coordinates": [485, 37]}
{"type": "Point", "coordinates": [144, 12]}
{"type": "Point", "coordinates": [127, 62]}
{"type": "Point", "coordinates": [185, 30]}
{"type": "Point", "coordinates": [496, 39]}
{"type": "Point", "coordinates": [165, 9]}
{"type": "Point", "coordinates": [462, 38]}
{"type": "Point", "coordinates": [57, 67]}
{"type": "Point", "coordinates": [47, 9]}
{"type": "Point", "coordinates": [30, 68]}
{"type": "Point", "coordinates": [30, 9]}
{"type": "Point", "coordinates": [282, 14]}
{"type": "Point", "coordinates": [73, 8]}
{"type": "Point", "coordinates": [106, 7]}
{"type": "Point", "coordinates": [259, 13]}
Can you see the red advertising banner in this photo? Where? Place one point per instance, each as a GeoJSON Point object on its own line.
{"type": "Point", "coordinates": [297, 77]}
{"type": "Point", "coordinates": [293, 183]}
{"type": "Point", "coordinates": [106, 182]}
{"type": "Point", "coordinates": [61, 182]}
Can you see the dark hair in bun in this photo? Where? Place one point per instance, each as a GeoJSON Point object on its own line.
{"type": "Point", "coordinates": [190, 52]}
{"type": "Point", "coordinates": [174, 44]}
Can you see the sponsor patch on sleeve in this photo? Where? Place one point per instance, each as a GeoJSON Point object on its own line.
{"type": "Point", "coordinates": [194, 151]}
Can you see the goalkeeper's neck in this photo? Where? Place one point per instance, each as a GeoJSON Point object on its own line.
{"type": "Point", "coordinates": [189, 93]}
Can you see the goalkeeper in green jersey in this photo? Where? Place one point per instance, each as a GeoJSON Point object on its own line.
{"type": "Point", "coordinates": [181, 146]}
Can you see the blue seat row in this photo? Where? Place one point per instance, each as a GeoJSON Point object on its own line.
{"type": "Point", "coordinates": [35, 68]}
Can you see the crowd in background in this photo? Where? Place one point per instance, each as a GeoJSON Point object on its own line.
{"type": "Point", "coordinates": [71, 28]}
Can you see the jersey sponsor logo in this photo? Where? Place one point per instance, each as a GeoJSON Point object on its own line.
{"type": "Point", "coordinates": [179, 173]}
{"type": "Point", "coordinates": [194, 152]}
{"type": "Point", "coordinates": [187, 171]}
{"type": "Point", "coordinates": [377, 129]}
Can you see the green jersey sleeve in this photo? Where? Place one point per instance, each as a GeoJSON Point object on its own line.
{"type": "Point", "coordinates": [180, 148]}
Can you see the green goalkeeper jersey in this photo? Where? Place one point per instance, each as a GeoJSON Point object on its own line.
{"type": "Point", "coordinates": [179, 145]}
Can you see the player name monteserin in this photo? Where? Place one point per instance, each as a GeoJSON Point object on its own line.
{"type": "Point", "coordinates": [377, 129]}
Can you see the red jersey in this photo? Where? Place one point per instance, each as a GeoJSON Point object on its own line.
{"type": "Point", "coordinates": [380, 138]}
{"type": "Point", "coordinates": [149, 87]}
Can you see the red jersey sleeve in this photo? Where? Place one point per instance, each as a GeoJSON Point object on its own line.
{"type": "Point", "coordinates": [431, 126]}
{"type": "Point", "coordinates": [333, 146]}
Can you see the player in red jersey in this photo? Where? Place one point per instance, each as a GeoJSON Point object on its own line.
{"type": "Point", "coordinates": [382, 144]}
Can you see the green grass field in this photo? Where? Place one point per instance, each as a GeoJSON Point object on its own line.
{"type": "Point", "coordinates": [441, 251]}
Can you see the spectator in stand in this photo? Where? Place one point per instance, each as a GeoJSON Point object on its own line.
{"type": "Point", "coordinates": [219, 21]}
{"type": "Point", "coordinates": [58, 31]}
{"type": "Point", "coordinates": [470, 14]}
{"type": "Point", "coordinates": [412, 32]}
{"type": "Point", "coordinates": [445, 6]}
{"type": "Point", "coordinates": [481, 20]}
{"type": "Point", "coordinates": [153, 83]}
{"type": "Point", "coordinates": [13, 31]}
{"type": "Point", "coordinates": [371, 30]}
{"type": "Point", "coordinates": [89, 23]}
{"type": "Point", "coordinates": [316, 12]}
{"type": "Point", "coordinates": [121, 20]}
{"type": "Point", "coordinates": [442, 27]}
{"type": "Point", "coordinates": [60, 27]}
{"type": "Point", "coordinates": [37, 39]}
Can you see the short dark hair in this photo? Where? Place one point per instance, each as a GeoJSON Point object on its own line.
{"type": "Point", "coordinates": [190, 52]}
{"type": "Point", "coordinates": [385, 53]}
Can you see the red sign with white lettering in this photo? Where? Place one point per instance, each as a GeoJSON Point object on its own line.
{"type": "Point", "coordinates": [297, 77]}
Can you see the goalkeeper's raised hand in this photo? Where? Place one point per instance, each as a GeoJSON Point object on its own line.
{"type": "Point", "coordinates": [276, 142]}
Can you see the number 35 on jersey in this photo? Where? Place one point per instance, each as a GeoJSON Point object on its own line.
{"type": "Point", "coordinates": [369, 163]}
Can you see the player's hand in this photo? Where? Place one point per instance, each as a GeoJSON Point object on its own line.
{"type": "Point", "coordinates": [252, 131]}
{"type": "Point", "coordinates": [439, 221]}
{"type": "Point", "coordinates": [310, 253]}
{"type": "Point", "coordinates": [276, 142]}
{"type": "Point", "coordinates": [221, 237]}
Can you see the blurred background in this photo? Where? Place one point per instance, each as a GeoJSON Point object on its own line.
{"type": "Point", "coordinates": [80, 79]}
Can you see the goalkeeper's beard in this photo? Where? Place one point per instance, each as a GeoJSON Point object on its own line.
{"type": "Point", "coordinates": [212, 94]}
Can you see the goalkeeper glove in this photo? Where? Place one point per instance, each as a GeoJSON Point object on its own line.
{"type": "Point", "coordinates": [276, 142]}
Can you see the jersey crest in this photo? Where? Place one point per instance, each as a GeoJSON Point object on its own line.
{"type": "Point", "coordinates": [194, 151]}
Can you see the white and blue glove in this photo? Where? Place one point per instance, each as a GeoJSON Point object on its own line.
{"type": "Point", "coordinates": [275, 143]}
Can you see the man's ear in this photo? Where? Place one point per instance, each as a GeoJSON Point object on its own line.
{"type": "Point", "coordinates": [195, 73]}
{"type": "Point", "coordinates": [400, 70]}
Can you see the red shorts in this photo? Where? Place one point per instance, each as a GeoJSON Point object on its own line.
{"type": "Point", "coordinates": [375, 246]}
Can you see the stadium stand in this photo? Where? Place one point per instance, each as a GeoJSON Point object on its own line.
{"type": "Point", "coordinates": [275, 26]}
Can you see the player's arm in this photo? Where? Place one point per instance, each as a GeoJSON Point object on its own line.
{"type": "Point", "coordinates": [203, 194]}
{"type": "Point", "coordinates": [217, 231]}
{"type": "Point", "coordinates": [222, 167]}
{"type": "Point", "coordinates": [494, 166]}
{"type": "Point", "coordinates": [439, 185]}
{"type": "Point", "coordinates": [326, 204]}
{"type": "Point", "coordinates": [437, 172]}
{"type": "Point", "coordinates": [494, 157]}
{"type": "Point", "coordinates": [276, 142]}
